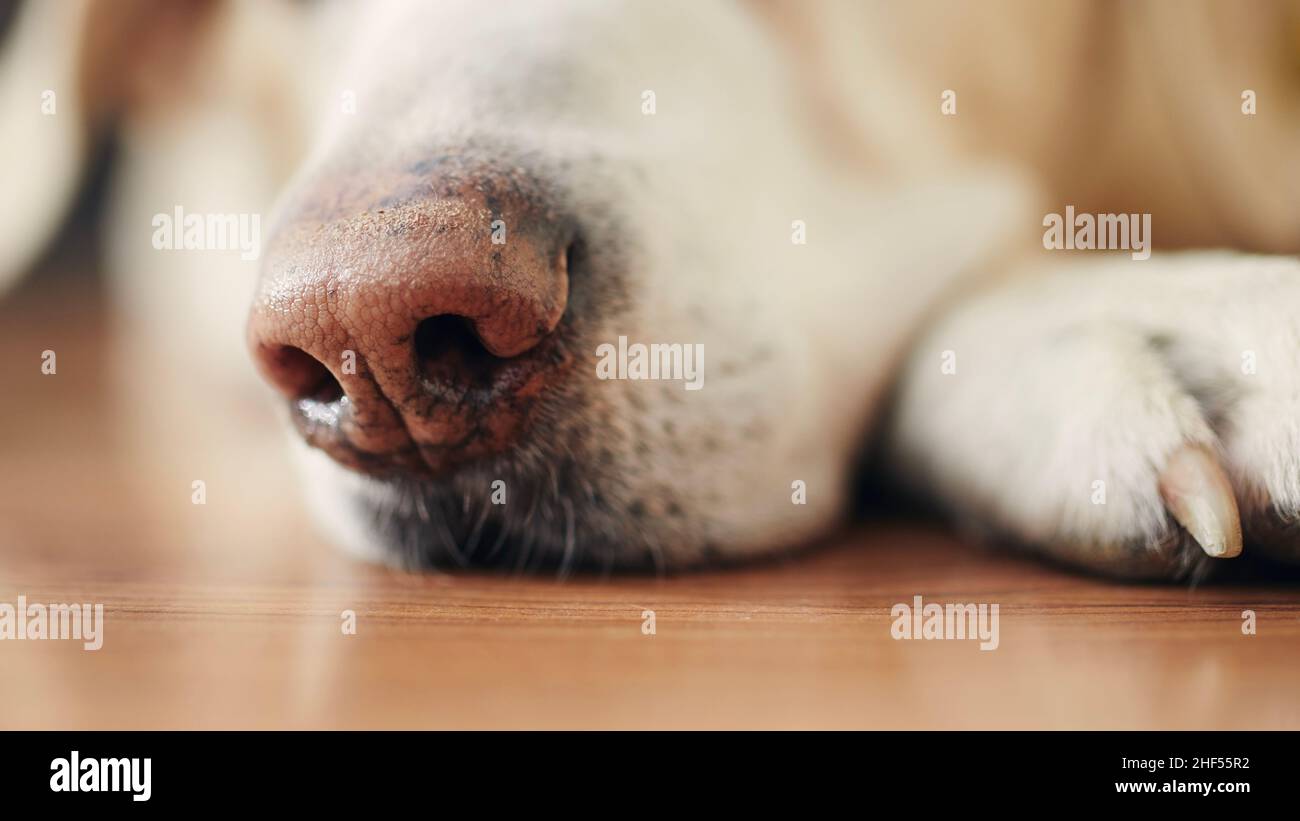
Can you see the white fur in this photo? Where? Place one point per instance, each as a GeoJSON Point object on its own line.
{"type": "Point", "coordinates": [797, 346]}
{"type": "Point", "coordinates": [1098, 370]}
{"type": "Point", "coordinates": [45, 149]}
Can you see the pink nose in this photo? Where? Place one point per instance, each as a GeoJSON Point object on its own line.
{"type": "Point", "coordinates": [413, 322]}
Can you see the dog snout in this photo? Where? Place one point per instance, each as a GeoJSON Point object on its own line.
{"type": "Point", "coordinates": [411, 320]}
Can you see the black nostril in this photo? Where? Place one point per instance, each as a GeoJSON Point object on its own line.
{"type": "Point", "coordinates": [303, 376]}
{"type": "Point", "coordinates": [328, 389]}
{"type": "Point", "coordinates": [575, 255]}
{"type": "Point", "coordinates": [449, 351]}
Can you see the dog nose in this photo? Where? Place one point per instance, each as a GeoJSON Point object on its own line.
{"type": "Point", "coordinates": [415, 328]}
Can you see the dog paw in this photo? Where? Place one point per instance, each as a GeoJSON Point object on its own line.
{"type": "Point", "coordinates": [1129, 417]}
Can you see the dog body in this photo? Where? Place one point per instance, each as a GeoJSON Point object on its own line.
{"type": "Point", "coordinates": [841, 204]}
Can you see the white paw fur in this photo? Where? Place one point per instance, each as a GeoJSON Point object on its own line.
{"type": "Point", "coordinates": [1049, 406]}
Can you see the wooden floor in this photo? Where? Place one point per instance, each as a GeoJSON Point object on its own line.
{"type": "Point", "coordinates": [228, 614]}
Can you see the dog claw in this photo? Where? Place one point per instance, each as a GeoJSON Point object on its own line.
{"type": "Point", "coordinates": [1197, 493]}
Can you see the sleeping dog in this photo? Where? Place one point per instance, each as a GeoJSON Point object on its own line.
{"type": "Point", "coordinates": [619, 283]}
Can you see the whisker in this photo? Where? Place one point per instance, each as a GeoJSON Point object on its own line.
{"type": "Point", "coordinates": [471, 544]}
{"type": "Point", "coordinates": [502, 534]}
{"type": "Point", "coordinates": [526, 548]}
{"type": "Point", "coordinates": [569, 539]}
{"type": "Point", "coordinates": [449, 539]}
{"type": "Point", "coordinates": [657, 555]}
{"type": "Point", "coordinates": [421, 507]}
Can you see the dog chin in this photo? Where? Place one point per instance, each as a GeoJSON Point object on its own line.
{"type": "Point", "coordinates": [499, 515]}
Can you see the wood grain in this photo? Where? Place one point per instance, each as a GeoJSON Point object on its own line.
{"type": "Point", "coordinates": [227, 615]}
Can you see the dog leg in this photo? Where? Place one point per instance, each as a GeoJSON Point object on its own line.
{"type": "Point", "coordinates": [1116, 414]}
